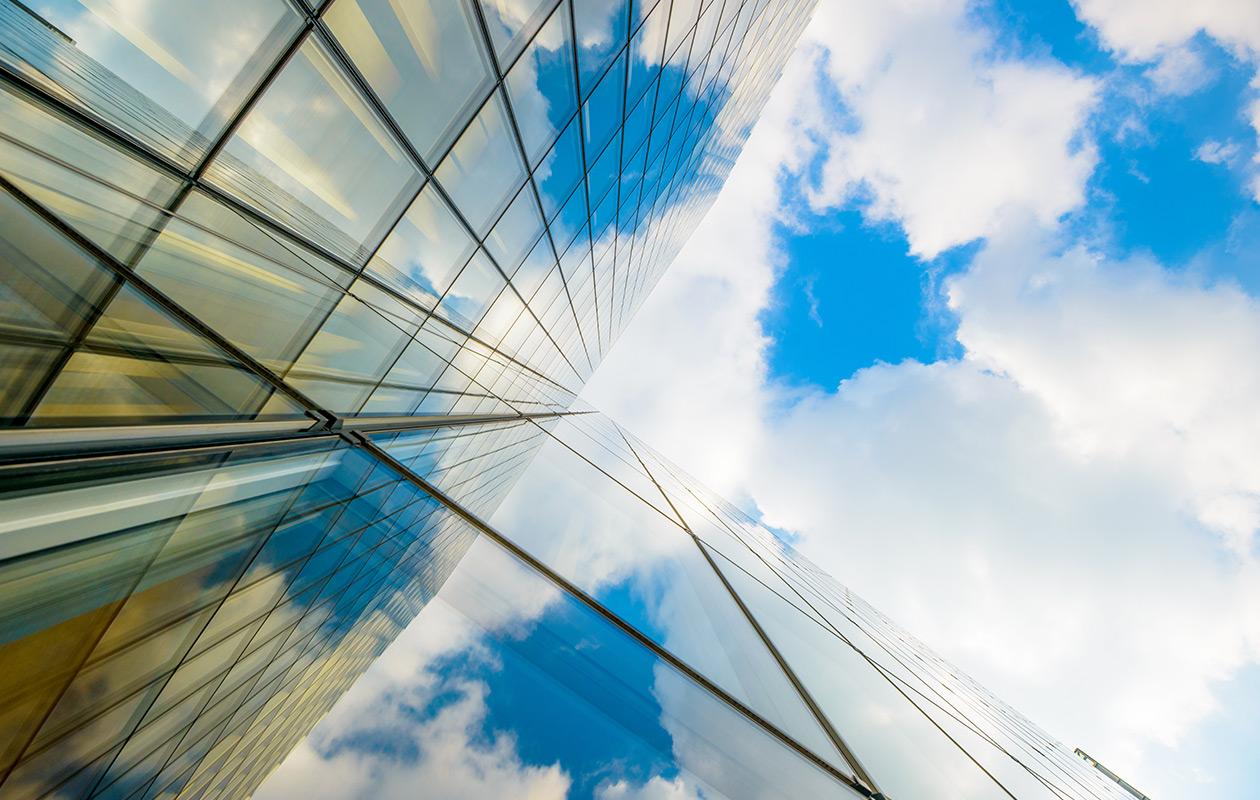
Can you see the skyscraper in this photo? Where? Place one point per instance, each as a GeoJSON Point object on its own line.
{"type": "Point", "coordinates": [297, 303]}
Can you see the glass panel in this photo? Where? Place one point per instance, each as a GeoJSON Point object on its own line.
{"type": "Point", "coordinates": [312, 155]}
{"type": "Point", "coordinates": [352, 350]}
{"type": "Point", "coordinates": [904, 752]}
{"type": "Point", "coordinates": [427, 247]}
{"type": "Point", "coordinates": [484, 167]}
{"type": "Point", "coordinates": [474, 290]}
{"type": "Point", "coordinates": [264, 296]}
{"type": "Point", "coordinates": [510, 22]}
{"type": "Point", "coordinates": [540, 263]}
{"type": "Point", "coordinates": [601, 114]}
{"type": "Point", "coordinates": [560, 171]}
{"type": "Point", "coordinates": [116, 356]}
{"type": "Point", "coordinates": [518, 674]}
{"type": "Point", "coordinates": [422, 59]}
{"type": "Point", "coordinates": [540, 85]}
{"type": "Point", "coordinates": [514, 233]}
{"type": "Point", "coordinates": [601, 33]}
{"type": "Point", "coordinates": [173, 76]}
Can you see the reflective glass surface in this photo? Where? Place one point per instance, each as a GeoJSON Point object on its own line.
{"type": "Point", "coordinates": [423, 59]}
{"type": "Point", "coordinates": [515, 667]}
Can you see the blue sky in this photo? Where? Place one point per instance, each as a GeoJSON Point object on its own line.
{"type": "Point", "coordinates": [852, 294]}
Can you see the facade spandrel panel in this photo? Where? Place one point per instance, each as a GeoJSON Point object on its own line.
{"type": "Point", "coordinates": [296, 302]}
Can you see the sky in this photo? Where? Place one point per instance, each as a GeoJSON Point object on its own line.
{"type": "Point", "coordinates": [985, 346]}
{"type": "Point", "coordinates": [973, 323]}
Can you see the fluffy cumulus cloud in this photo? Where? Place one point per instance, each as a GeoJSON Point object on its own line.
{"type": "Point", "coordinates": [1162, 34]}
{"type": "Point", "coordinates": [1051, 510]}
{"type": "Point", "coordinates": [946, 136]}
{"type": "Point", "coordinates": [1069, 510]}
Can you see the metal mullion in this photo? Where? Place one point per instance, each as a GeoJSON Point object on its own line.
{"type": "Point", "coordinates": [123, 272]}
{"type": "Point", "coordinates": [601, 610]}
{"type": "Point", "coordinates": [395, 424]}
{"type": "Point", "coordinates": [529, 176]}
{"type": "Point", "coordinates": [586, 169]}
{"type": "Point", "coordinates": [829, 627]}
{"type": "Point", "coordinates": [832, 734]}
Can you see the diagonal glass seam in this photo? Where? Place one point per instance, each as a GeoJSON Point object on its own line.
{"type": "Point", "coordinates": [562, 583]}
{"type": "Point", "coordinates": [830, 628]}
{"type": "Point", "coordinates": [673, 521]}
{"type": "Point", "coordinates": [832, 734]}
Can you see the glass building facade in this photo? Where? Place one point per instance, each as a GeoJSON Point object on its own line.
{"type": "Point", "coordinates": [296, 301]}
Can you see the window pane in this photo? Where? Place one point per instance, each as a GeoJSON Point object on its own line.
{"type": "Point", "coordinates": [427, 247]}
{"type": "Point", "coordinates": [515, 232]}
{"type": "Point", "coordinates": [352, 350]}
{"type": "Point", "coordinates": [173, 76]}
{"type": "Point", "coordinates": [313, 156]}
{"type": "Point", "coordinates": [473, 291]}
{"type": "Point", "coordinates": [484, 167]}
{"type": "Point", "coordinates": [510, 21]}
{"type": "Point", "coordinates": [423, 59]}
{"type": "Point", "coordinates": [540, 85]}
{"type": "Point", "coordinates": [263, 296]}
{"type": "Point", "coordinates": [601, 32]}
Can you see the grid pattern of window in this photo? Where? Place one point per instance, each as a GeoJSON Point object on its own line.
{"type": "Point", "coordinates": [295, 302]}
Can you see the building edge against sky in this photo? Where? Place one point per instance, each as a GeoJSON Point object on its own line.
{"type": "Point", "coordinates": [297, 303]}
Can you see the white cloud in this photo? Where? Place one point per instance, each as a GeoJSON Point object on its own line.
{"type": "Point", "coordinates": [950, 138]}
{"type": "Point", "coordinates": [1161, 33]}
{"type": "Point", "coordinates": [1213, 152]}
{"type": "Point", "coordinates": [1052, 512]}
{"type": "Point", "coordinates": [656, 789]}
{"type": "Point", "coordinates": [1180, 71]}
{"type": "Point", "coordinates": [1146, 30]}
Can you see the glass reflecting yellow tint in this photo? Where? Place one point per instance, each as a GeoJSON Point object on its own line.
{"type": "Point", "coordinates": [423, 59]}
{"type": "Point", "coordinates": [173, 79]}
{"type": "Point", "coordinates": [315, 157]}
{"type": "Point", "coordinates": [178, 595]}
{"type": "Point", "coordinates": [83, 345]}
